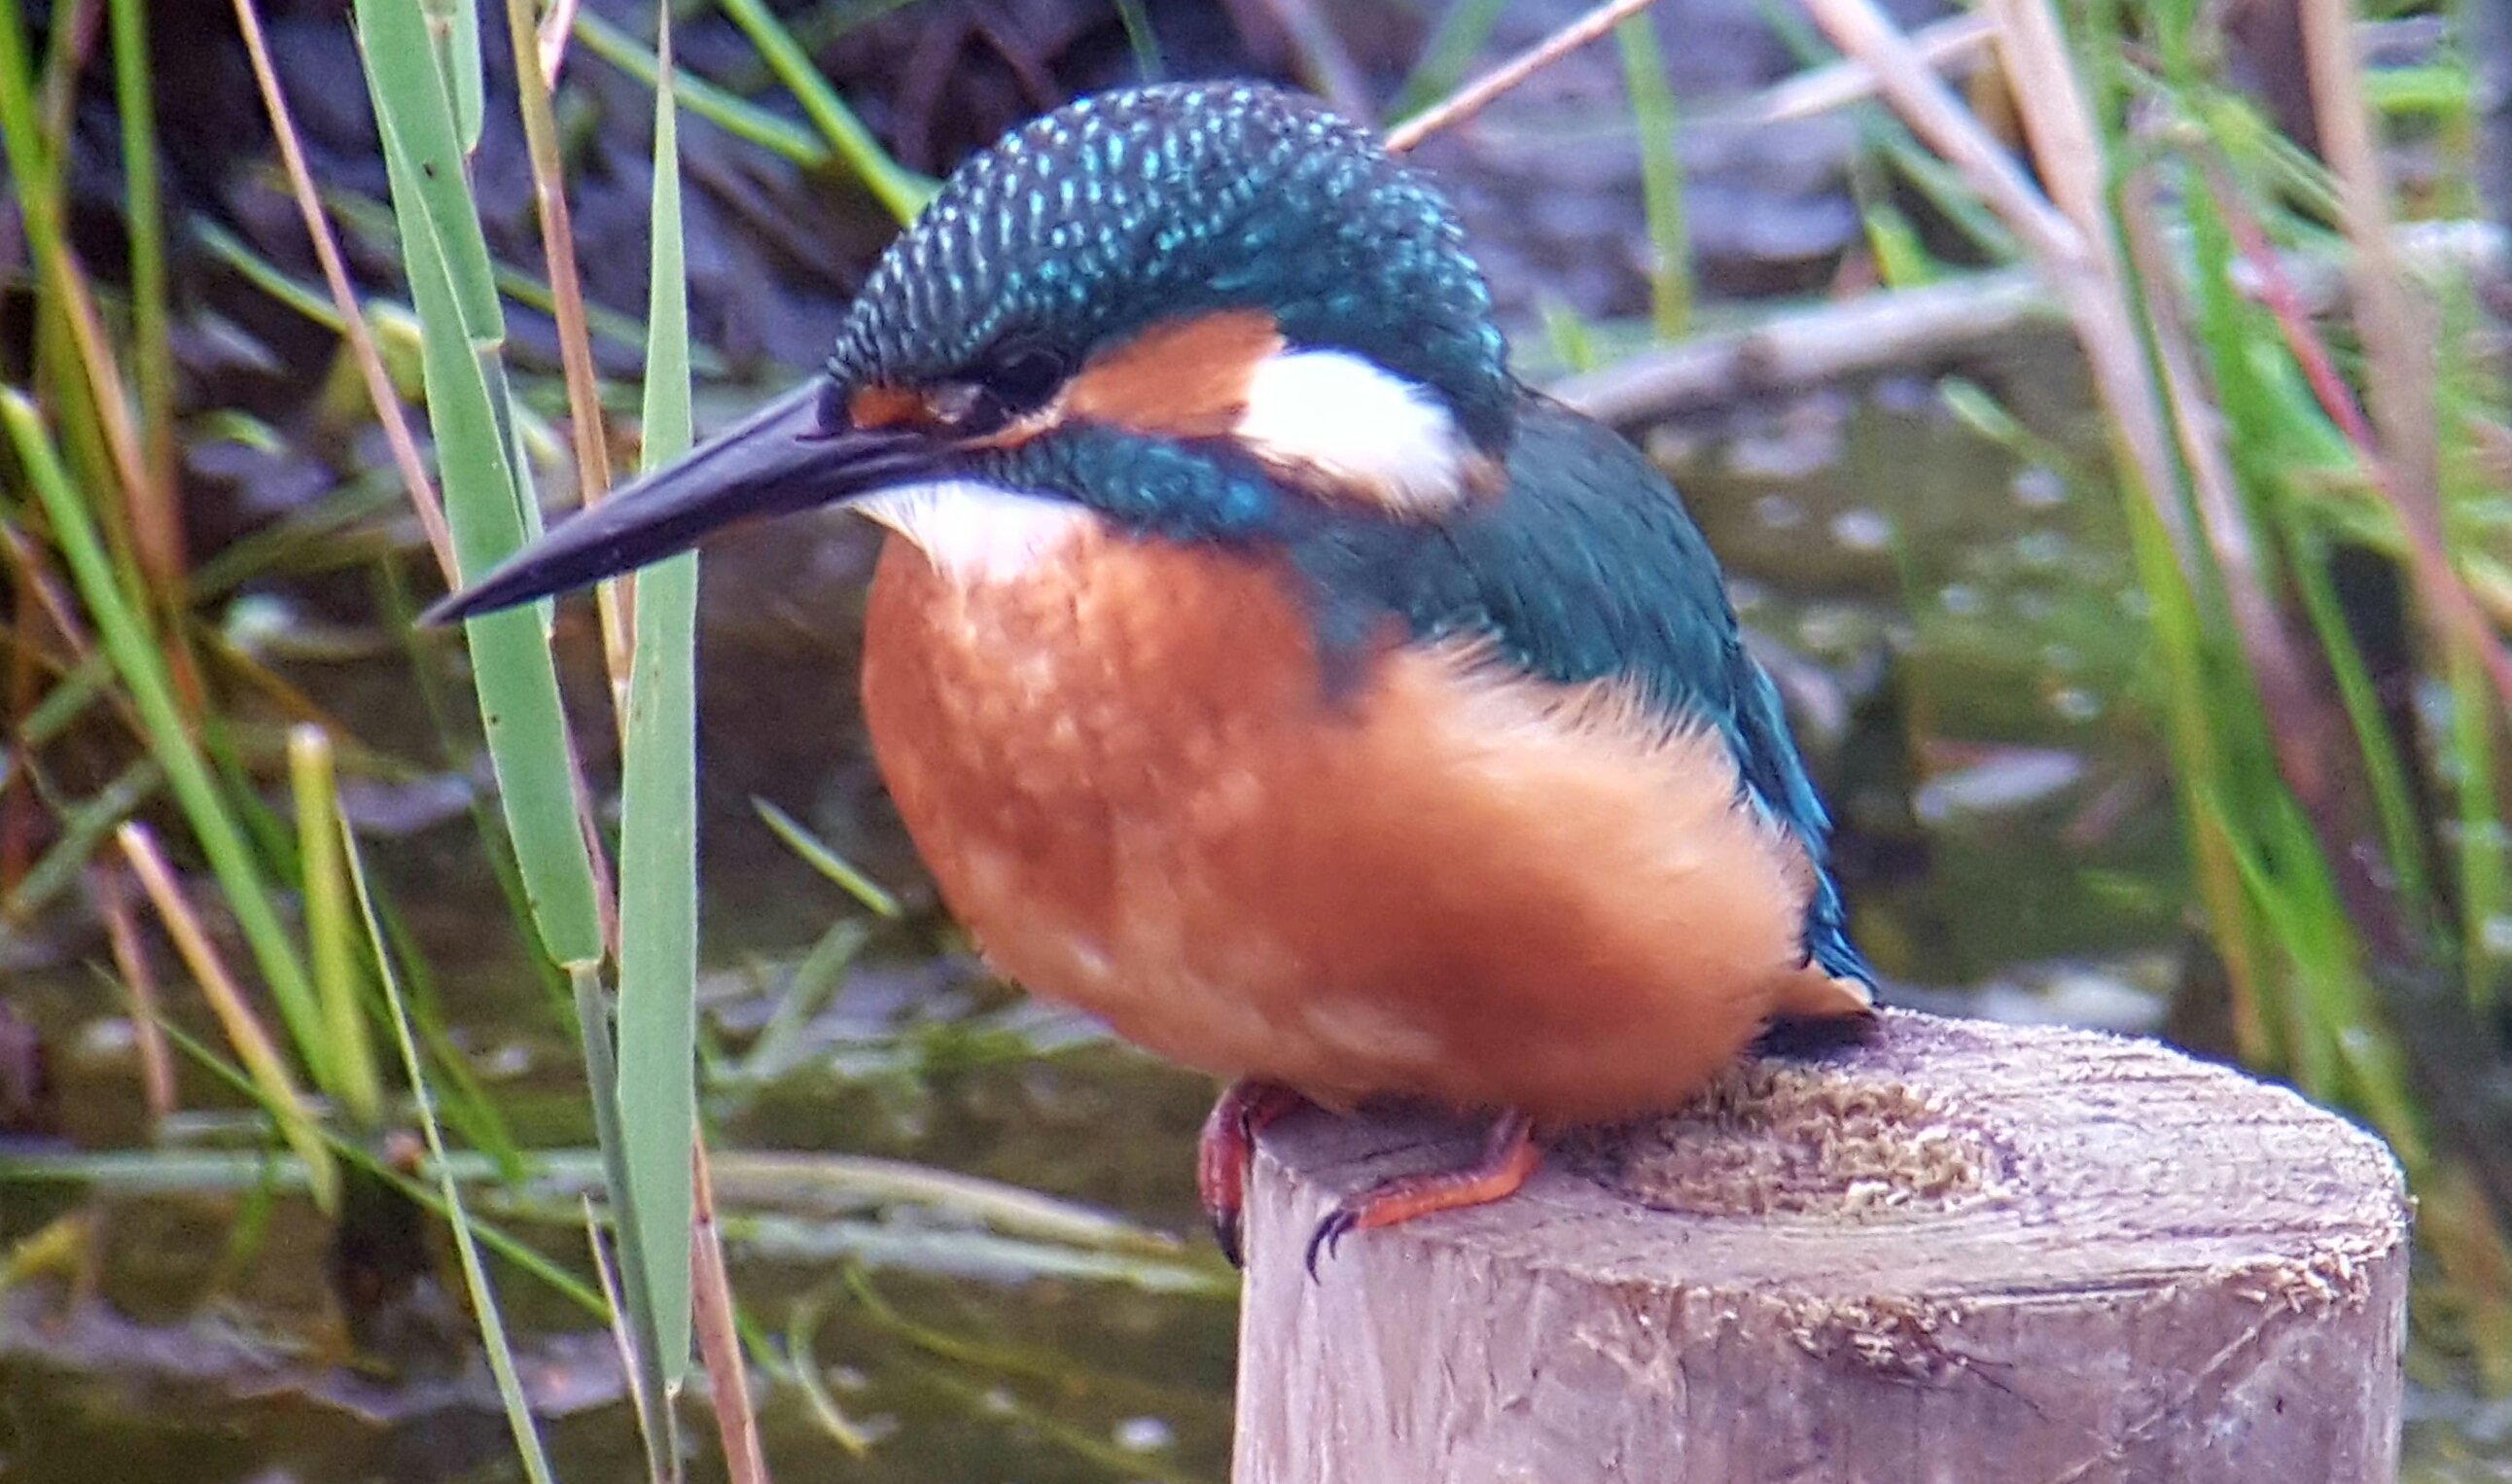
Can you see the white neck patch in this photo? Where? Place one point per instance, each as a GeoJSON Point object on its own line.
{"type": "Point", "coordinates": [973, 531]}
{"type": "Point", "coordinates": [1340, 416]}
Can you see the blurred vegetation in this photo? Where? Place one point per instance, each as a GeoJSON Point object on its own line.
{"type": "Point", "coordinates": [2306, 430]}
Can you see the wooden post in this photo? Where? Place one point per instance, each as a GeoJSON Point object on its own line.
{"type": "Point", "coordinates": [1962, 1254]}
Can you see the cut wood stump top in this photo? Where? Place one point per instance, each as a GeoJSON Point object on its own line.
{"type": "Point", "coordinates": [1960, 1251]}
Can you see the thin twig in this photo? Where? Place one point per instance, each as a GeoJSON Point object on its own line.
{"type": "Point", "coordinates": [1476, 95]}
{"type": "Point", "coordinates": [720, 1332]}
{"type": "Point", "coordinates": [353, 316]}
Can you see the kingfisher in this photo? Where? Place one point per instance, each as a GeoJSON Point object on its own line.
{"type": "Point", "coordinates": [1260, 665]}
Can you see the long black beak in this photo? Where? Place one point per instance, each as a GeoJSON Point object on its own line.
{"type": "Point", "coordinates": [777, 460]}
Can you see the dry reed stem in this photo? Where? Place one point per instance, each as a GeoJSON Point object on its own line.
{"type": "Point", "coordinates": [556, 28]}
{"type": "Point", "coordinates": [1476, 95]}
{"type": "Point", "coordinates": [2073, 251]}
{"type": "Point", "coordinates": [83, 26]}
{"type": "Point", "coordinates": [1865, 34]}
{"type": "Point", "coordinates": [1952, 45]}
{"type": "Point", "coordinates": [353, 318]}
{"type": "Point", "coordinates": [159, 547]}
{"type": "Point", "coordinates": [2068, 147]}
{"type": "Point", "coordinates": [146, 479]}
{"type": "Point", "coordinates": [244, 1030]}
{"type": "Point", "coordinates": [139, 979]}
{"type": "Point", "coordinates": [2397, 339]}
{"type": "Point", "coordinates": [718, 1330]}
{"type": "Point", "coordinates": [614, 601]}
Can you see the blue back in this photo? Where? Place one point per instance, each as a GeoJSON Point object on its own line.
{"type": "Point", "coordinates": [1589, 568]}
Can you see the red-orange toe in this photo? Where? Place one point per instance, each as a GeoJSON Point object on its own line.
{"type": "Point", "coordinates": [1227, 1143]}
{"type": "Point", "coordinates": [1510, 1157]}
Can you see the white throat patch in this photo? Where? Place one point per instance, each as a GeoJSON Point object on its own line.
{"type": "Point", "coordinates": [1357, 424]}
{"type": "Point", "coordinates": [973, 531]}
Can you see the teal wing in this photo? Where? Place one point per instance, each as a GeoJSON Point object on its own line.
{"type": "Point", "coordinates": [1588, 567]}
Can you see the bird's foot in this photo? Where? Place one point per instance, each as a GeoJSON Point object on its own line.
{"type": "Point", "coordinates": [1509, 1157]}
{"type": "Point", "coordinates": [1227, 1143]}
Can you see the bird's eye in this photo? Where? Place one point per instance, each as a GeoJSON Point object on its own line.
{"type": "Point", "coordinates": [1022, 376]}
{"type": "Point", "coordinates": [1010, 384]}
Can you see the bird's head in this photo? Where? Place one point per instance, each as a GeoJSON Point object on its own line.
{"type": "Point", "coordinates": [1200, 310]}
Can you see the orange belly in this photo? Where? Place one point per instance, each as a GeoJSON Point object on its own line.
{"type": "Point", "coordinates": [1133, 789]}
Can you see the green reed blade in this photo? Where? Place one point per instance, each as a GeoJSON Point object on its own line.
{"type": "Point", "coordinates": [485, 483]}
{"type": "Point", "coordinates": [457, 28]}
{"type": "Point", "coordinates": [658, 890]}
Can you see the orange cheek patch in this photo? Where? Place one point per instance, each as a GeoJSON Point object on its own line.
{"type": "Point", "coordinates": [886, 407]}
{"type": "Point", "coordinates": [1187, 378]}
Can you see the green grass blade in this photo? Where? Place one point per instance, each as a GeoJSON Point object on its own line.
{"type": "Point", "coordinates": [153, 353]}
{"type": "Point", "coordinates": [729, 111]}
{"type": "Point", "coordinates": [902, 191]}
{"type": "Point", "coordinates": [142, 669]}
{"type": "Point", "coordinates": [454, 292]}
{"type": "Point", "coordinates": [656, 1418]}
{"type": "Point", "coordinates": [1653, 119]}
{"type": "Point", "coordinates": [316, 793]}
{"type": "Point", "coordinates": [658, 885]}
{"type": "Point", "coordinates": [816, 853]}
{"type": "Point", "coordinates": [1146, 46]}
{"type": "Point", "coordinates": [474, 1273]}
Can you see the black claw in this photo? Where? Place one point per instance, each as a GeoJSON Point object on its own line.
{"type": "Point", "coordinates": [1328, 1237]}
{"type": "Point", "coordinates": [1226, 1232]}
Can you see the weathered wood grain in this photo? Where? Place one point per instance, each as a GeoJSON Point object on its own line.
{"type": "Point", "coordinates": [1962, 1253]}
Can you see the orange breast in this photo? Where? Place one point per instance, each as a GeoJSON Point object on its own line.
{"type": "Point", "coordinates": [1133, 789]}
